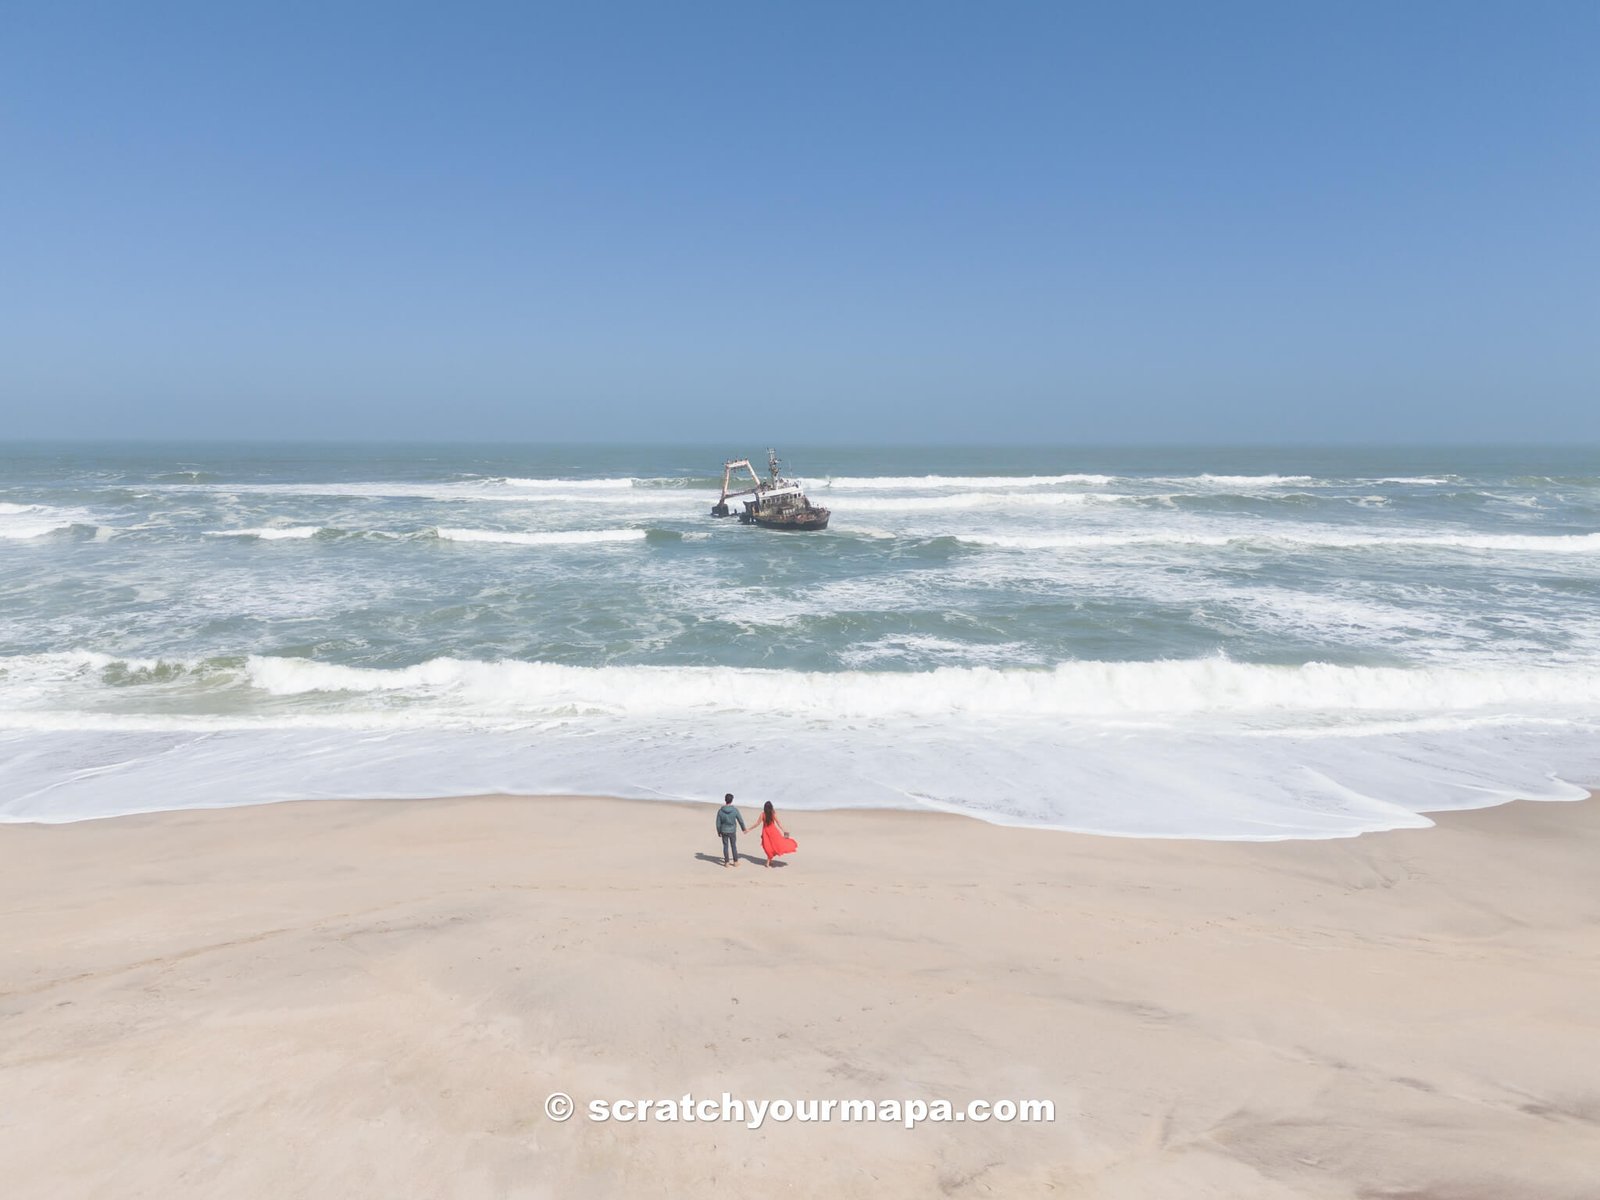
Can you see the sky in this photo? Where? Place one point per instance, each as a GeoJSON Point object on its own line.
{"type": "Point", "coordinates": [887, 222]}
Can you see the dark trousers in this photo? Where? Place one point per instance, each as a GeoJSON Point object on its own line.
{"type": "Point", "coordinates": [730, 847]}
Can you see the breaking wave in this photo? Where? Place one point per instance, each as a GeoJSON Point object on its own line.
{"type": "Point", "coordinates": [1577, 543]}
{"type": "Point", "coordinates": [576, 485]}
{"type": "Point", "coordinates": [971, 500]}
{"type": "Point", "coordinates": [950, 641]}
{"type": "Point", "coordinates": [887, 483]}
{"type": "Point", "coordinates": [1071, 689]}
{"type": "Point", "coordinates": [24, 522]}
{"type": "Point", "coordinates": [1087, 689]}
{"type": "Point", "coordinates": [1245, 481]}
{"type": "Point", "coordinates": [555, 537]}
{"type": "Point", "coordinates": [1205, 748]}
{"type": "Point", "coordinates": [616, 483]}
{"type": "Point", "coordinates": [560, 537]}
{"type": "Point", "coordinates": [270, 533]}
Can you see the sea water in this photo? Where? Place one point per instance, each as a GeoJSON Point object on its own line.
{"type": "Point", "coordinates": [1252, 643]}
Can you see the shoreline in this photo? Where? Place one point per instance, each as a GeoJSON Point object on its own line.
{"type": "Point", "coordinates": [324, 997]}
{"type": "Point", "coordinates": [1427, 818]}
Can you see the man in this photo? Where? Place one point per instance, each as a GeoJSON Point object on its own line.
{"type": "Point", "coordinates": [729, 821]}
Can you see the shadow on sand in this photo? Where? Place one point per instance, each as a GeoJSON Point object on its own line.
{"type": "Point", "coordinates": [758, 860]}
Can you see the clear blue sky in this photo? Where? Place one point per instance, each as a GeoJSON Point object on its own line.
{"type": "Point", "coordinates": [920, 221]}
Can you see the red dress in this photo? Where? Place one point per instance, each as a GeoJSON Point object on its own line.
{"type": "Point", "coordinates": [774, 841]}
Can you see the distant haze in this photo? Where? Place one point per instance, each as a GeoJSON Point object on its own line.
{"type": "Point", "coordinates": [1235, 222]}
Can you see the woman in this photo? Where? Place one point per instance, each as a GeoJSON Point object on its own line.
{"type": "Point", "coordinates": [774, 841]}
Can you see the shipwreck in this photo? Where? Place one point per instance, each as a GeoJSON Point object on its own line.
{"type": "Point", "coordinates": [773, 502]}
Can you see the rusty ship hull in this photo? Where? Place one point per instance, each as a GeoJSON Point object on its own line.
{"type": "Point", "coordinates": [775, 502]}
{"type": "Point", "coordinates": [793, 522]}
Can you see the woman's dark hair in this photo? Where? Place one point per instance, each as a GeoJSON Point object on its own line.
{"type": "Point", "coordinates": [767, 815]}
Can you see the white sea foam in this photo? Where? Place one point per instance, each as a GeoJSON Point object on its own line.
{"type": "Point", "coordinates": [1209, 482]}
{"type": "Point", "coordinates": [269, 533]}
{"type": "Point", "coordinates": [370, 489]}
{"type": "Point", "coordinates": [1094, 541]}
{"type": "Point", "coordinates": [24, 522]}
{"type": "Point", "coordinates": [920, 672]}
{"type": "Point", "coordinates": [1193, 748]}
{"type": "Point", "coordinates": [938, 482]}
{"type": "Point", "coordinates": [1087, 689]}
{"type": "Point", "coordinates": [65, 663]}
{"type": "Point", "coordinates": [978, 500]}
{"type": "Point", "coordinates": [862, 531]}
{"type": "Point", "coordinates": [917, 648]}
{"type": "Point", "coordinates": [25, 530]}
{"type": "Point", "coordinates": [1248, 481]}
{"type": "Point", "coordinates": [572, 485]}
{"type": "Point", "coordinates": [1193, 687]}
{"type": "Point", "coordinates": [1148, 774]}
{"type": "Point", "coordinates": [555, 537]}
{"type": "Point", "coordinates": [493, 489]}
{"type": "Point", "coordinates": [69, 677]}
{"type": "Point", "coordinates": [684, 500]}
{"type": "Point", "coordinates": [1578, 543]}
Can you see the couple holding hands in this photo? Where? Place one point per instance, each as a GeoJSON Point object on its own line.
{"type": "Point", "coordinates": [774, 841]}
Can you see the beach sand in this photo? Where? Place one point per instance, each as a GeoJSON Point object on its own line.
{"type": "Point", "coordinates": [351, 999]}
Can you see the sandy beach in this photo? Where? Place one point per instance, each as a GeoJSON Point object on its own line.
{"type": "Point", "coordinates": [327, 999]}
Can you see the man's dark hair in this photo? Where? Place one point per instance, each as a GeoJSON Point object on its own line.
{"type": "Point", "coordinates": [728, 799]}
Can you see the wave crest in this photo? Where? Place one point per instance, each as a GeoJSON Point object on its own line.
{"type": "Point", "coordinates": [577, 485]}
{"type": "Point", "coordinates": [24, 522]}
{"type": "Point", "coordinates": [1186, 686]}
{"type": "Point", "coordinates": [557, 537]}
{"type": "Point", "coordinates": [1576, 543]}
{"type": "Point", "coordinates": [270, 533]}
{"type": "Point", "coordinates": [887, 483]}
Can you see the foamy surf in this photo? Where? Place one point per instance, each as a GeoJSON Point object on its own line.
{"type": "Point", "coordinates": [1144, 780]}
{"type": "Point", "coordinates": [1184, 748]}
{"type": "Point", "coordinates": [268, 533]}
{"type": "Point", "coordinates": [1090, 690]}
{"type": "Point", "coordinates": [25, 522]}
{"type": "Point", "coordinates": [884, 483]}
{"type": "Point", "coordinates": [1587, 543]}
{"type": "Point", "coordinates": [556, 537]}
{"type": "Point", "coordinates": [1246, 481]}
{"type": "Point", "coordinates": [571, 485]}
{"type": "Point", "coordinates": [1229, 645]}
{"type": "Point", "coordinates": [959, 501]}
{"type": "Point", "coordinates": [1078, 689]}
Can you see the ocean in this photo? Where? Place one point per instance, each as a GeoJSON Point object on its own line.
{"type": "Point", "coordinates": [1215, 643]}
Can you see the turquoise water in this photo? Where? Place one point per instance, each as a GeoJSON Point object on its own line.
{"type": "Point", "coordinates": [1216, 643]}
